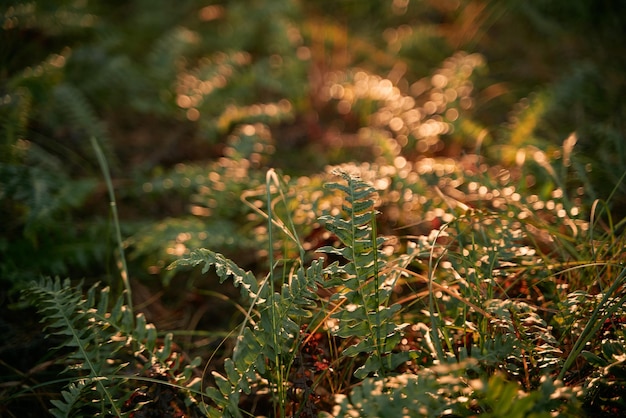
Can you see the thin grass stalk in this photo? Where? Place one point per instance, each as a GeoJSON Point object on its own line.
{"type": "Point", "coordinates": [617, 185]}
{"type": "Point", "coordinates": [290, 232]}
{"type": "Point", "coordinates": [277, 222]}
{"type": "Point", "coordinates": [596, 203]}
{"type": "Point", "coordinates": [280, 388]}
{"type": "Point", "coordinates": [118, 233]}
{"type": "Point", "coordinates": [613, 227]}
{"type": "Point", "coordinates": [592, 224]}
{"type": "Point", "coordinates": [434, 316]}
{"type": "Point", "coordinates": [595, 322]}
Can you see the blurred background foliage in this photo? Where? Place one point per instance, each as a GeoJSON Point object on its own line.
{"type": "Point", "coordinates": [194, 100]}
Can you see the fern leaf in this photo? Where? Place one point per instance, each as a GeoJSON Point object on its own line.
{"type": "Point", "coordinates": [80, 113]}
{"type": "Point", "coordinates": [99, 337]}
{"type": "Point", "coordinates": [71, 396]}
{"type": "Point", "coordinates": [64, 305]}
{"type": "Point", "coordinates": [224, 268]}
{"type": "Point", "coordinates": [366, 319]}
{"type": "Point", "coordinates": [273, 334]}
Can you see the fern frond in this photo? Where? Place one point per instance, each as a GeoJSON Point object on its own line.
{"type": "Point", "coordinates": [166, 51]}
{"type": "Point", "coordinates": [367, 318]}
{"type": "Point", "coordinates": [71, 397]}
{"type": "Point", "coordinates": [68, 315]}
{"type": "Point", "coordinates": [80, 114]}
{"type": "Point", "coordinates": [225, 269]}
{"type": "Point", "coordinates": [102, 336]}
{"type": "Point", "coordinates": [271, 337]}
{"type": "Point", "coordinates": [251, 349]}
{"type": "Point", "coordinates": [533, 350]}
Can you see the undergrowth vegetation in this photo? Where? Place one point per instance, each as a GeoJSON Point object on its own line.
{"type": "Point", "coordinates": [388, 214]}
{"type": "Point", "coordinates": [494, 311]}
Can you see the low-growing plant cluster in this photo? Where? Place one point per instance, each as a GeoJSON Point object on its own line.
{"type": "Point", "coordinates": [489, 311]}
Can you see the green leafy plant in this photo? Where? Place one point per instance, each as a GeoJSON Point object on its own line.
{"type": "Point", "coordinates": [107, 343]}
{"type": "Point", "coordinates": [106, 349]}
{"type": "Point", "coordinates": [304, 319]}
{"type": "Point", "coordinates": [365, 281]}
{"type": "Point", "coordinates": [266, 344]}
{"type": "Point", "coordinates": [454, 390]}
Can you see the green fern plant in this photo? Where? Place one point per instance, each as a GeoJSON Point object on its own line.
{"type": "Point", "coordinates": [455, 390]}
{"type": "Point", "coordinates": [266, 345]}
{"type": "Point", "coordinates": [108, 344]}
{"type": "Point", "coordinates": [364, 283]}
{"type": "Point", "coordinates": [105, 347]}
{"type": "Point", "coordinates": [58, 302]}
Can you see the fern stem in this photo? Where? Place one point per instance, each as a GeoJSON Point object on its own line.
{"type": "Point", "coordinates": [118, 233]}
{"type": "Point", "coordinates": [380, 344]}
